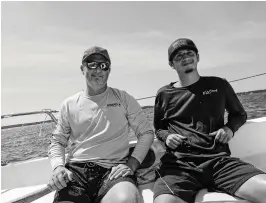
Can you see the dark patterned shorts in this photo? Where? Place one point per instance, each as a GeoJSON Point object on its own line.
{"type": "Point", "coordinates": [90, 183]}
{"type": "Point", "coordinates": [185, 178]}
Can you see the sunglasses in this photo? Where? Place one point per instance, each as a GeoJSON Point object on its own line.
{"type": "Point", "coordinates": [104, 66]}
{"type": "Point", "coordinates": [179, 56]}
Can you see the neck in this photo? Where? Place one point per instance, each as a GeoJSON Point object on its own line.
{"type": "Point", "coordinates": [188, 79]}
{"type": "Point", "coordinates": [92, 91]}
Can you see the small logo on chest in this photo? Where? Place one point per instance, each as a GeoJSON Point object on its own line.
{"type": "Point", "coordinates": [209, 92]}
{"type": "Point", "coordinates": [113, 105]}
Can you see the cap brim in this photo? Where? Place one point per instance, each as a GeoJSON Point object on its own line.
{"type": "Point", "coordinates": [90, 57]}
{"type": "Point", "coordinates": [181, 48]}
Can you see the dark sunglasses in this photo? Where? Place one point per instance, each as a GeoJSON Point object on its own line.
{"type": "Point", "coordinates": [105, 66]}
{"type": "Point", "coordinates": [179, 55]}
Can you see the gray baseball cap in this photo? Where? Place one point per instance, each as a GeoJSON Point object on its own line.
{"type": "Point", "coordinates": [181, 43]}
{"type": "Point", "coordinates": [95, 50]}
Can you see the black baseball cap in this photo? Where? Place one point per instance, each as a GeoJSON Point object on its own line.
{"type": "Point", "coordinates": [95, 50]}
{"type": "Point", "coordinates": [179, 44]}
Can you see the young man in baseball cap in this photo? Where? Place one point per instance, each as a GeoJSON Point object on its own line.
{"type": "Point", "coordinates": [96, 122]}
{"type": "Point", "coordinates": [189, 119]}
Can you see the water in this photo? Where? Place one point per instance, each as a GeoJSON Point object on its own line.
{"type": "Point", "coordinates": [23, 143]}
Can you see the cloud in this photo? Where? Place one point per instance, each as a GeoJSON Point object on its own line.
{"type": "Point", "coordinates": [235, 43]}
{"type": "Point", "coordinates": [52, 47]}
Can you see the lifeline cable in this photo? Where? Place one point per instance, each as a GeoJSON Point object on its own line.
{"type": "Point", "coordinates": [253, 76]}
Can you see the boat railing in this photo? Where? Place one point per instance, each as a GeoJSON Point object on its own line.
{"type": "Point", "coordinates": [48, 112]}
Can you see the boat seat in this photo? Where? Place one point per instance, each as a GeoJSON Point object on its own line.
{"type": "Point", "coordinates": [146, 190]}
{"type": "Point", "coordinates": [11, 194]}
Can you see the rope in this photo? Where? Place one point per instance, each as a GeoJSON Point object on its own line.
{"type": "Point", "coordinates": [253, 76]}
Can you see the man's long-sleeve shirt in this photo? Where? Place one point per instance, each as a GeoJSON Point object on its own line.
{"type": "Point", "coordinates": [195, 111]}
{"type": "Point", "coordinates": [98, 129]}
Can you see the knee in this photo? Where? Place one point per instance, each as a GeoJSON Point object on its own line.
{"type": "Point", "coordinates": [123, 193]}
{"type": "Point", "coordinates": [132, 196]}
{"type": "Point", "coordinates": [168, 198]}
{"type": "Point", "coordinates": [124, 198]}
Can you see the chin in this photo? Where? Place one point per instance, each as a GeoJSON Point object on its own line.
{"type": "Point", "coordinates": [189, 70]}
{"type": "Point", "coordinates": [100, 83]}
{"type": "Point", "coordinates": [98, 80]}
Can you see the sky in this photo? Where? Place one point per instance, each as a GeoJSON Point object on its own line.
{"type": "Point", "coordinates": [42, 44]}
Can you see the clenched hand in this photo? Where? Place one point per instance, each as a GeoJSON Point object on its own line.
{"type": "Point", "coordinates": [61, 176]}
{"type": "Point", "coordinates": [174, 140]}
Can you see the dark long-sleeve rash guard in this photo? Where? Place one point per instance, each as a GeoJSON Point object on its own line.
{"type": "Point", "coordinates": [194, 112]}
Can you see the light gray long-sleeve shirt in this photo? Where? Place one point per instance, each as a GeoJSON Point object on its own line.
{"type": "Point", "coordinates": [98, 128]}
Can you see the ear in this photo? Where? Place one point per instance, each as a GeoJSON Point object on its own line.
{"type": "Point", "coordinates": [109, 68]}
{"type": "Point", "coordinates": [171, 64]}
{"type": "Point", "coordinates": [198, 57]}
{"type": "Point", "coordinates": [81, 68]}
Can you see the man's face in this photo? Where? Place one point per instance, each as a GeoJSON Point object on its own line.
{"type": "Point", "coordinates": [96, 70]}
{"type": "Point", "coordinates": [185, 61]}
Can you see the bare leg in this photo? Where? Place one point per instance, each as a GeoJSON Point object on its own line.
{"type": "Point", "coordinates": [167, 198]}
{"type": "Point", "coordinates": [254, 189]}
{"type": "Point", "coordinates": [123, 192]}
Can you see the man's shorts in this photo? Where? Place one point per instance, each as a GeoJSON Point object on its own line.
{"type": "Point", "coordinates": [185, 178]}
{"type": "Point", "coordinates": [90, 183]}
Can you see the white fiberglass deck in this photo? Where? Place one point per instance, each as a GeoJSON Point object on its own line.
{"type": "Point", "coordinates": [146, 191]}
{"type": "Point", "coordinates": [19, 179]}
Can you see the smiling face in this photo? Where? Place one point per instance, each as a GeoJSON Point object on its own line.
{"type": "Point", "coordinates": [96, 77]}
{"type": "Point", "coordinates": [185, 61]}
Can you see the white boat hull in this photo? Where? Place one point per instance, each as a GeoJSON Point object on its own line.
{"type": "Point", "coordinates": [248, 144]}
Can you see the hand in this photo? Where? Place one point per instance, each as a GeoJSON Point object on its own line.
{"type": "Point", "coordinates": [223, 135]}
{"type": "Point", "coordinates": [174, 140]}
{"type": "Point", "coordinates": [61, 176]}
{"type": "Point", "coordinates": [120, 170]}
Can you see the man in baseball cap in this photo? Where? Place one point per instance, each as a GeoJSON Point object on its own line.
{"type": "Point", "coordinates": [97, 121]}
{"type": "Point", "coordinates": [189, 119]}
